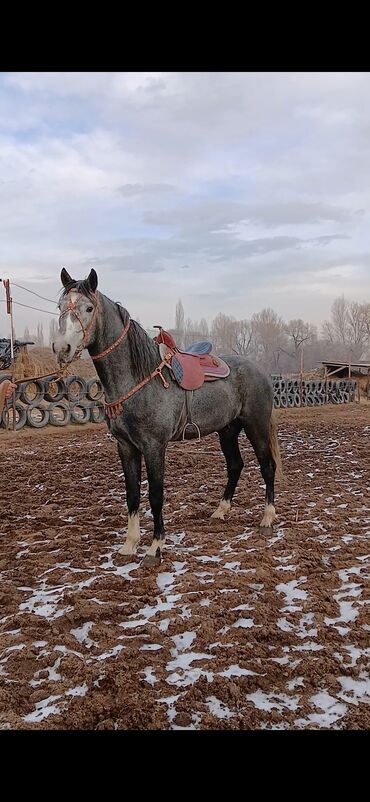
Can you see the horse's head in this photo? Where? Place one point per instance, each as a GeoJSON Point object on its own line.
{"type": "Point", "coordinates": [77, 321]}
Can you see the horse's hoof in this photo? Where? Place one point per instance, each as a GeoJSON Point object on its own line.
{"type": "Point", "coordinates": [151, 562]}
{"type": "Point", "coordinates": [222, 510]}
{"type": "Point", "coordinates": [126, 558]}
{"type": "Point", "coordinates": [266, 530]}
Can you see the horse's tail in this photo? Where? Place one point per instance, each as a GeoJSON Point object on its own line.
{"type": "Point", "coordinates": [275, 449]}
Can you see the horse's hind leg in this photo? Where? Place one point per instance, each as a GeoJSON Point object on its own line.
{"type": "Point", "coordinates": [261, 438]}
{"type": "Point", "coordinates": [234, 463]}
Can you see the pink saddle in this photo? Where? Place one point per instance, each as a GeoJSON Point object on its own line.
{"type": "Point", "coordinates": [191, 370]}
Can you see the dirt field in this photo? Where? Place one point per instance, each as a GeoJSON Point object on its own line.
{"type": "Point", "coordinates": [233, 631]}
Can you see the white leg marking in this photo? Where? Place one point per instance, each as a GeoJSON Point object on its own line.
{"type": "Point", "coordinates": [133, 535]}
{"type": "Point", "coordinates": [223, 508]}
{"type": "Point", "coordinates": [269, 516]}
{"type": "Point", "coordinates": [156, 544]}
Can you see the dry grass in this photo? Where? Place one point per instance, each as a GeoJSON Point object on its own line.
{"type": "Point", "coordinates": [37, 361]}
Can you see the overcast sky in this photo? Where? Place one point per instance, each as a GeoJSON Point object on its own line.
{"type": "Point", "coordinates": [231, 191]}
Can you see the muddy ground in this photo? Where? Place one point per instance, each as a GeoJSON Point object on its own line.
{"type": "Point", "coordinates": [233, 631]}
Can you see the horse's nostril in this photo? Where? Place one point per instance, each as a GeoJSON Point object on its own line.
{"type": "Point", "coordinates": [68, 348]}
{"type": "Point", "coordinates": [53, 347]}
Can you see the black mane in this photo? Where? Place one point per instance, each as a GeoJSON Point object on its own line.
{"type": "Point", "coordinates": [144, 351]}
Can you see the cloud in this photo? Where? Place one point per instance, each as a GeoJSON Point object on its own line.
{"type": "Point", "coordinates": [253, 184]}
{"type": "Point", "coordinates": [133, 190]}
{"type": "Point", "coordinates": [213, 215]}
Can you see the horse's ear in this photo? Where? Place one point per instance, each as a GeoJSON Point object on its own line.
{"type": "Point", "coordinates": [65, 277]}
{"type": "Point", "coordinates": [92, 280]}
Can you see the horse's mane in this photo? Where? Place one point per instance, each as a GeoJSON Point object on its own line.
{"type": "Point", "coordinates": [144, 351]}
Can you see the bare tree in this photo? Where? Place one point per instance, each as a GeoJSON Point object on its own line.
{"type": "Point", "coordinates": [347, 328]}
{"type": "Point", "coordinates": [366, 323]}
{"type": "Point", "coordinates": [357, 330]}
{"type": "Point", "coordinates": [187, 333]}
{"type": "Point", "coordinates": [299, 333]}
{"type": "Point", "coordinates": [26, 335]}
{"type": "Point", "coordinates": [53, 331]}
{"type": "Point", "coordinates": [203, 328]}
{"type": "Point", "coordinates": [245, 343]}
{"type": "Point", "coordinates": [224, 333]}
{"type": "Point", "coordinates": [180, 324]}
{"type": "Point", "coordinates": [39, 339]}
{"type": "Point", "coordinates": [339, 319]}
{"type": "Point", "coordinates": [270, 336]}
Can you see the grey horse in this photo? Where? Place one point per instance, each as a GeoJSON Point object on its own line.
{"type": "Point", "coordinates": [149, 412]}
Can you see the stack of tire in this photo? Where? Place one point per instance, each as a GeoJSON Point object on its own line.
{"type": "Point", "coordinates": [58, 402]}
{"type": "Point", "coordinates": [293, 393]}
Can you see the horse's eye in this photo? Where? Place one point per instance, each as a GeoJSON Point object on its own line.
{"type": "Point", "coordinates": [90, 308]}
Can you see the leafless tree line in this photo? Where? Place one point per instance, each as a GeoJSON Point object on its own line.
{"type": "Point", "coordinates": [268, 339]}
{"type": "Point", "coordinates": [277, 344]}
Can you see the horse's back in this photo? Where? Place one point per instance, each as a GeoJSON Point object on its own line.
{"type": "Point", "coordinates": [253, 385]}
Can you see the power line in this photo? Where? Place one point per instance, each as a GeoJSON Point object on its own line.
{"type": "Point", "coordinates": [18, 303]}
{"type": "Point", "coordinates": [32, 292]}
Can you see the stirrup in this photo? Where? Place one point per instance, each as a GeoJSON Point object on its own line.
{"type": "Point", "coordinates": [186, 426]}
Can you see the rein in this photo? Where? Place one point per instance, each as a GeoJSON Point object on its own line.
{"type": "Point", "coordinates": [56, 375]}
{"type": "Point", "coordinates": [113, 409]}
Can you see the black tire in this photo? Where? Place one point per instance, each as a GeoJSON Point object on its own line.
{"type": "Point", "coordinates": [99, 390]}
{"type": "Point", "coordinates": [38, 417]}
{"type": "Point", "coordinates": [27, 396]}
{"type": "Point", "coordinates": [75, 396]}
{"type": "Point", "coordinates": [97, 413]}
{"type": "Point", "coordinates": [7, 417]}
{"type": "Point", "coordinates": [60, 414]}
{"type": "Point", "coordinates": [80, 413]}
{"type": "Point", "coordinates": [61, 390]}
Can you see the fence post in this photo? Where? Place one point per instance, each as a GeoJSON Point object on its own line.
{"type": "Point", "coordinates": [301, 379]}
{"type": "Point", "coordinates": [9, 309]}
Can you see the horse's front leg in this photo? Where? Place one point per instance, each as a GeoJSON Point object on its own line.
{"type": "Point", "coordinates": [154, 461]}
{"type": "Point", "coordinates": [131, 463]}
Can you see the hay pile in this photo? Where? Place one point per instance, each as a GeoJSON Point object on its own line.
{"type": "Point", "coordinates": [36, 361]}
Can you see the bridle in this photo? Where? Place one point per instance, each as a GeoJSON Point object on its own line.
{"type": "Point", "coordinates": [71, 308]}
{"type": "Point", "coordinates": [114, 408]}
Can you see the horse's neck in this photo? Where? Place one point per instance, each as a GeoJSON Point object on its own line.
{"type": "Point", "coordinates": [114, 370]}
